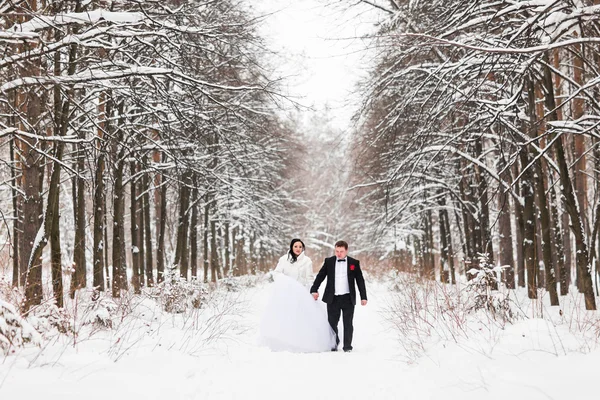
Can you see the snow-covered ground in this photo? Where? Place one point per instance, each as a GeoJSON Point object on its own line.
{"type": "Point", "coordinates": [213, 355]}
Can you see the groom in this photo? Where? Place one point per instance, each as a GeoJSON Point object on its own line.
{"type": "Point", "coordinates": [340, 292]}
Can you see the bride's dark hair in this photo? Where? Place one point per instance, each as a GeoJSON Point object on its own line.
{"type": "Point", "coordinates": [292, 254]}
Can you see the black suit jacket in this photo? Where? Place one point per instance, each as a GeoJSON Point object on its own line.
{"type": "Point", "coordinates": [328, 271]}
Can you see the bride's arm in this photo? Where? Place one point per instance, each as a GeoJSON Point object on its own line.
{"type": "Point", "coordinates": [308, 271]}
{"type": "Point", "coordinates": [279, 268]}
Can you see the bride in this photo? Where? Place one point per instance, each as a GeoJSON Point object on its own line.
{"type": "Point", "coordinates": [293, 320]}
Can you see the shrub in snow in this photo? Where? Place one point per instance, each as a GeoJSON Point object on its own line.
{"type": "Point", "coordinates": [249, 280]}
{"type": "Point", "coordinates": [176, 294]}
{"type": "Point", "coordinates": [48, 316]}
{"type": "Point", "coordinates": [99, 312]}
{"type": "Point", "coordinates": [15, 331]}
{"type": "Point", "coordinates": [485, 279]}
{"type": "Point", "coordinates": [231, 284]}
{"type": "Point", "coordinates": [396, 284]}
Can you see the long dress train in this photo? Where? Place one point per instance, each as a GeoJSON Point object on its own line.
{"type": "Point", "coordinates": [293, 321]}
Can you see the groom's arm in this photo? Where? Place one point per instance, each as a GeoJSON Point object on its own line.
{"type": "Point", "coordinates": [360, 281]}
{"type": "Point", "coordinates": [319, 279]}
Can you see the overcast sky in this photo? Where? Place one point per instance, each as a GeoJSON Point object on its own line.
{"type": "Point", "coordinates": [320, 51]}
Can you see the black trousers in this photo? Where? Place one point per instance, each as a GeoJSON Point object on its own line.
{"type": "Point", "coordinates": [342, 305]}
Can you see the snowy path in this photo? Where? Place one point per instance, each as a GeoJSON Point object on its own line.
{"type": "Point", "coordinates": [376, 369]}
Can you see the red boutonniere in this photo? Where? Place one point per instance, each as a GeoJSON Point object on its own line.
{"type": "Point", "coordinates": [352, 268]}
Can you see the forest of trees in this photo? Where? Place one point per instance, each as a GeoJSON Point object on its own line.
{"type": "Point", "coordinates": [478, 135]}
{"type": "Point", "coordinates": [142, 135]}
{"type": "Point", "coordinates": [135, 136]}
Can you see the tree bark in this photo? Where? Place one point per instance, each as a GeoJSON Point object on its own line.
{"type": "Point", "coordinates": [160, 246]}
{"type": "Point", "coordinates": [194, 232]}
{"type": "Point", "coordinates": [467, 247]}
{"type": "Point", "coordinates": [527, 182]}
{"type": "Point", "coordinates": [558, 244]}
{"type": "Point", "coordinates": [545, 234]}
{"type": "Point", "coordinates": [214, 254]}
{"type": "Point", "coordinates": [579, 175]}
{"type": "Point", "coordinates": [32, 177]}
{"type": "Point", "coordinates": [227, 269]}
{"type": "Point", "coordinates": [506, 256]}
{"type": "Point", "coordinates": [133, 215]}
{"type": "Point", "coordinates": [571, 204]}
{"type": "Point", "coordinates": [141, 228]}
{"type": "Point", "coordinates": [147, 229]}
{"type": "Point", "coordinates": [56, 257]}
{"type": "Point", "coordinates": [446, 258]}
{"type": "Point", "coordinates": [16, 216]}
{"type": "Point", "coordinates": [78, 279]}
{"type": "Point", "coordinates": [484, 209]}
{"type": "Point", "coordinates": [428, 246]}
{"type": "Point", "coordinates": [205, 239]}
{"type": "Point", "coordinates": [234, 247]}
{"type": "Point", "coordinates": [520, 236]}
{"type": "Point", "coordinates": [181, 249]}
{"type": "Point", "coordinates": [104, 111]}
{"type": "Point", "coordinates": [119, 276]}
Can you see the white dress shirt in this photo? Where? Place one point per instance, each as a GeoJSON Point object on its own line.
{"type": "Point", "coordinates": [341, 277]}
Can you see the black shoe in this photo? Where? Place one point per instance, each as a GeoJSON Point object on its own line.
{"type": "Point", "coordinates": [347, 350]}
{"type": "Point", "coordinates": [334, 349]}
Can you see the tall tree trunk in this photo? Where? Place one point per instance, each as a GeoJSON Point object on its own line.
{"type": "Point", "coordinates": [545, 234]}
{"type": "Point", "coordinates": [466, 243]}
{"type": "Point", "coordinates": [571, 204]}
{"type": "Point", "coordinates": [133, 215]}
{"type": "Point", "coordinates": [33, 243]}
{"type": "Point", "coordinates": [595, 237]}
{"type": "Point", "coordinates": [104, 111]}
{"type": "Point", "coordinates": [527, 187]}
{"type": "Point", "coordinates": [147, 224]}
{"type": "Point", "coordinates": [78, 279]}
{"type": "Point", "coordinates": [520, 234]}
{"type": "Point", "coordinates": [506, 256]}
{"type": "Point", "coordinates": [227, 269]}
{"type": "Point", "coordinates": [579, 175]}
{"type": "Point", "coordinates": [205, 239]}
{"type": "Point", "coordinates": [181, 249]}
{"type": "Point", "coordinates": [119, 276]}
{"type": "Point", "coordinates": [118, 262]}
{"type": "Point", "coordinates": [30, 102]}
{"type": "Point", "coordinates": [60, 128]}
{"type": "Point", "coordinates": [529, 228]}
{"type": "Point", "coordinates": [544, 223]}
{"type": "Point", "coordinates": [428, 242]}
{"type": "Point", "coordinates": [558, 243]}
{"type": "Point", "coordinates": [235, 264]}
{"type": "Point", "coordinates": [107, 276]}
{"type": "Point", "coordinates": [33, 288]}
{"type": "Point", "coordinates": [243, 259]}
{"type": "Point", "coordinates": [214, 252]}
{"type": "Point", "coordinates": [194, 232]}
{"type": "Point", "coordinates": [447, 255]}
{"type": "Point", "coordinates": [160, 245]}
{"type": "Point", "coordinates": [32, 178]}
{"type": "Point", "coordinates": [141, 226]}
{"type": "Point", "coordinates": [16, 216]}
{"type": "Point", "coordinates": [472, 229]}
{"type": "Point", "coordinates": [56, 257]}
{"type": "Point", "coordinates": [484, 209]}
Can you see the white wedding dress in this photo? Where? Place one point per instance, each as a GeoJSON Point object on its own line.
{"type": "Point", "coordinates": [292, 320]}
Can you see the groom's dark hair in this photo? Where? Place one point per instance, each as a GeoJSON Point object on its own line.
{"type": "Point", "coordinates": [341, 243]}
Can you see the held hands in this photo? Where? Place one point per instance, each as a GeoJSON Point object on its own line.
{"type": "Point", "coordinates": [315, 295]}
{"type": "Point", "coordinates": [363, 302]}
